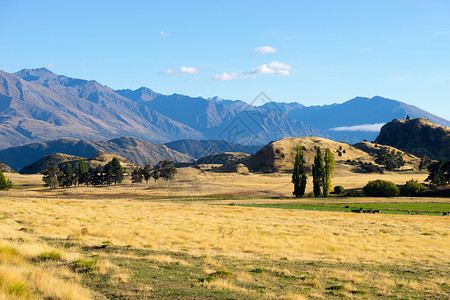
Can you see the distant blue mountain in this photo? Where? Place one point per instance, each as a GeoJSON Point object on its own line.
{"type": "Point", "coordinates": [38, 105]}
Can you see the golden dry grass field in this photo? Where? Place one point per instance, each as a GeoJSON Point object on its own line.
{"type": "Point", "coordinates": [174, 240]}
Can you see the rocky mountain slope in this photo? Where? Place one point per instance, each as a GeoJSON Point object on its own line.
{"type": "Point", "coordinates": [417, 136]}
{"type": "Point", "coordinates": [133, 149]}
{"type": "Point", "coordinates": [38, 105]}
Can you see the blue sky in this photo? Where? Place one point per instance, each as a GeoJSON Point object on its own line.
{"type": "Point", "coordinates": [312, 52]}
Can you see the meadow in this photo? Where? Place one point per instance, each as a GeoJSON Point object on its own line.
{"type": "Point", "coordinates": [191, 238]}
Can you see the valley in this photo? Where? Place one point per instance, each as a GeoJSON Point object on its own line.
{"type": "Point", "coordinates": [221, 235]}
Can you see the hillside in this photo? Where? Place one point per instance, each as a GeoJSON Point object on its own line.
{"type": "Point", "coordinates": [417, 136]}
{"type": "Point", "coordinates": [279, 156]}
{"type": "Point", "coordinates": [198, 149]}
{"type": "Point", "coordinates": [5, 168]}
{"type": "Point", "coordinates": [59, 159]}
{"type": "Point", "coordinates": [222, 158]}
{"type": "Point", "coordinates": [48, 160]}
{"type": "Point", "coordinates": [133, 149]}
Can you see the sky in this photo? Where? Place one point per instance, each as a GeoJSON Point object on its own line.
{"type": "Point", "coordinates": [311, 52]}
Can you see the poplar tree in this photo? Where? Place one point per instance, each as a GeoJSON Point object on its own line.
{"type": "Point", "coordinates": [317, 172]}
{"type": "Point", "coordinates": [299, 176]}
{"type": "Point", "coordinates": [328, 172]}
{"type": "Point", "coordinates": [82, 172]}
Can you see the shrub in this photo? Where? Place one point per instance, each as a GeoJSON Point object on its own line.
{"type": "Point", "coordinates": [50, 255]}
{"type": "Point", "coordinates": [381, 188]}
{"type": "Point", "coordinates": [339, 189]}
{"type": "Point", "coordinates": [5, 183]}
{"type": "Point", "coordinates": [85, 265]}
{"type": "Point", "coordinates": [412, 188]}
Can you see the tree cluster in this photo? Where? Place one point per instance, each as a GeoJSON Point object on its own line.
{"type": "Point", "coordinates": [111, 173]}
{"type": "Point", "coordinates": [322, 172]}
{"type": "Point", "coordinates": [164, 169]}
{"type": "Point", "coordinates": [390, 159]}
{"type": "Point", "coordinates": [5, 183]}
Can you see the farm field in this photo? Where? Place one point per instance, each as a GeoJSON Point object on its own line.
{"type": "Point", "coordinates": [175, 239]}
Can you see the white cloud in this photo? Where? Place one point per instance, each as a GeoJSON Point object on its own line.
{"type": "Point", "coordinates": [262, 69]}
{"type": "Point", "coordinates": [49, 66]}
{"type": "Point", "coordinates": [163, 33]}
{"type": "Point", "coordinates": [226, 76]}
{"type": "Point", "coordinates": [264, 50]}
{"type": "Point", "coordinates": [274, 67]}
{"type": "Point", "coordinates": [283, 72]}
{"type": "Point", "coordinates": [182, 70]}
{"type": "Point", "coordinates": [82, 65]}
{"type": "Point", "coordinates": [279, 65]}
{"type": "Point", "coordinates": [363, 127]}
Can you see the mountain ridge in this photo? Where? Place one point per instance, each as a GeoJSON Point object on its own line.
{"type": "Point", "coordinates": [38, 105]}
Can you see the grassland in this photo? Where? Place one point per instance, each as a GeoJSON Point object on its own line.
{"type": "Point", "coordinates": [174, 240]}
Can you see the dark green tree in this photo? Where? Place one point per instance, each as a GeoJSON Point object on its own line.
{"type": "Point", "coordinates": [113, 172]}
{"type": "Point", "coordinates": [147, 171]}
{"type": "Point", "coordinates": [117, 170]}
{"type": "Point", "coordinates": [317, 172]}
{"type": "Point", "coordinates": [67, 176]}
{"type": "Point", "coordinates": [137, 175]}
{"type": "Point", "coordinates": [439, 173]}
{"type": "Point", "coordinates": [156, 173]}
{"type": "Point", "coordinates": [299, 177]}
{"type": "Point", "coordinates": [82, 172]}
{"type": "Point", "coordinates": [5, 183]}
{"type": "Point", "coordinates": [50, 178]}
{"type": "Point", "coordinates": [327, 172]}
{"type": "Point", "coordinates": [425, 161]}
{"type": "Point", "coordinates": [167, 169]}
{"type": "Point", "coordinates": [96, 177]}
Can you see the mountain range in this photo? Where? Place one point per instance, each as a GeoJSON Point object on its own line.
{"type": "Point", "coordinates": [38, 105]}
{"type": "Point", "coordinates": [135, 150]}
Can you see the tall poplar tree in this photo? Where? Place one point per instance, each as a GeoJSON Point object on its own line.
{"type": "Point", "coordinates": [82, 172]}
{"type": "Point", "coordinates": [317, 172]}
{"type": "Point", "coordinates": [299, 176]}
{"type": "Point", "coordinates": [328, 172]}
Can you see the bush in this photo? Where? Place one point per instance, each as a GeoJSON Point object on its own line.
{"type": "Point", "coordinates": [50, 255]}
{"type": "Point", "coordinates": [85, 265]}
{"type": "Point", "coordinates": [5, 183]}
{"type": "Point", "coordinates": [381, 188]}
{"type": "Point", "coordinates": [412, 188]}
{"type": "Point", "coordinates": [339, 189]}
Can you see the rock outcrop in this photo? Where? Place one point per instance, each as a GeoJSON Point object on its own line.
{"type": "Point", "coordinates": [417, 136]}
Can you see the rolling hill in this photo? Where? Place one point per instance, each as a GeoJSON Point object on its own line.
{"type": "Point", "coordinates": [279, 156]}
{"type": "Point", "coordinates": [198, 149]}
